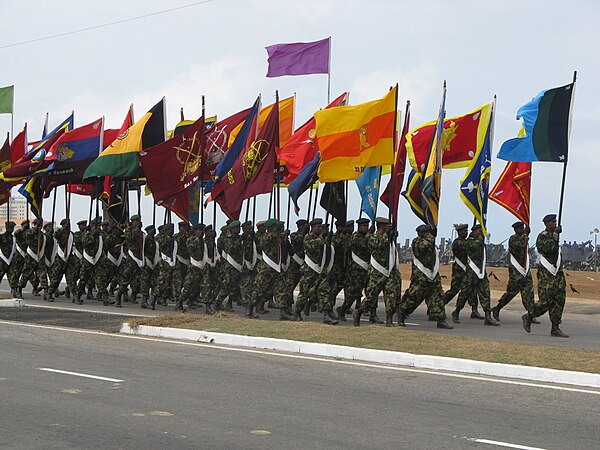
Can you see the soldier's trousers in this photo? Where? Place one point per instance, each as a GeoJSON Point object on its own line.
{"type": "Point", "coordinates": [284, 289]}
{"type": "Point", "coordinates": [264, 287]}
{"type": "Point", "coordinates": [552, 296]}
{"type": "Point", "coordinates": [102, 276]}
{"type": "Point", "coordinates": [149, 279]}
{"type": "Point", "coordinates": [356, 282]}
{"type": "Point", "coordinates": [31, 273]}
{"type": "Point", "coordinates": [165, 277]}
{"type": "Point", "coordinates": [14, 273]}
{"type": "Point", "coordinates": [472, 290]}
{"type": "Point", "coordinates": [309, 283]}
{"type": "Point", "coordinates": [4, 270]}
{"type": "Point", "coordinates": [327, 285]}
{"type": "Point", "coordinates": [519, 284]}
{"type": "Point", "coordinates": [247, 285]}
{"type": "Point", "coordinates": [421, 288]}
{"type": "Point", "coordinates": [191, 285]}
{"type": "Point", "coordinates": [230, 287]}
{"type": "Point", "coordinates": [458, 275]}
{"type": "Point", "coordinates": [86, 276]}
{"type": "Point", "coordinates": [337, 280]}
{"type": "Point", "coordinates": [68, 269]}
{"type": "Point", "coordinates": [391, 287]}
{"type": "Point", "coordinates": [130, 274]}
{"type": "Point", "coordinates": [179, 272]}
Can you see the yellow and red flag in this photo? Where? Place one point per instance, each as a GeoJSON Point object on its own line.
{"type": "Point", "coordinates": [351, 138]}
{"type": "Point", "coordinates": [462, 139]}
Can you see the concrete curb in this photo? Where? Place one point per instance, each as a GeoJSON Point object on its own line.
{"type": "Point", "coordinates": [376, 356]}
{"type": "Point", "coordinates": [11, 303]}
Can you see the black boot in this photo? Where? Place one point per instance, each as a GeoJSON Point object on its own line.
{"type": "Point", "coordinates": [133, 297]}
{"type": "Point", "coordinates": [526, 322]}
{"type": "Point", "coordinates": [105, 299]}
{"type": "Point", "coordinates": [496, 312]}
{"type": "Point", "coordinates": [209, 311]}
{"type": "Point", "coordinates": [401, 318]}
{"type": "Point", "coordinates": [36, 292]}
{"type": "Point", "coordinates": [373, 317]}
{"type": "Point", "coordinates": [389, 319]}
{"type": "Point", "coordinates": [20, 293]}
{"type": "Point", "coordinates": [475, 314]}
{"type": "Point", "coordinates": [153, 302]}
{"type": "Point", "coordinates": [179, 305]}
{"type": "Point", "coordinates": [67, 292]}
{"type": "Point", "coordinates": [328, 318]}
{"type": "Point", "coordinates": [283, 315]}
{"type": "Point", "coordinates": [118, 304]}
{"type": "Point", "coordinates": [488, 319]}
{"type": "Point", "coordinates": [356, 317]}
{"type": "Point", "coordinates": [307, 308]}
{"type": "Point", "coordinates": [260, 308]}
{"type": "Point", "coordinates": [535, 321]}
{"type": "Point", "coordinates": [271, 304]}
{"type": "Point", "coordinates": [45, 294]}
{"type": "Point", "coordinates": [90, 294]}
{"type": "Point", "coordinates": [557, 332]}
{"type": "Point", "coordinates": [341, 313]}
{"type": "Point", "coordinates": [229, 305]}
{"type": "Point", "coordinates": [144, 303]}
{"type": "Point", "coordinates": [250, 312]}
{"type": "Point", "coordinates": [444, 325]}
{"type": "Point", "coordinates": [455, 314]}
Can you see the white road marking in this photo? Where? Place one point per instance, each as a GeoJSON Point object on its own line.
{"type": "Point", "coordinates": [77, 374]}
{"type": "Point", "coordinates": [503, 444]}
{"type": "Point", "coordinates": [310, 358]}
{"type": "Point", "coordinates": [66, 308]}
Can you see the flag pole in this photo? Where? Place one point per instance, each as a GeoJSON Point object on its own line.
{"type": "Point", "coordinates": [202, 143]}
{"type": "Point", "coordinates": [314, 211]}
{"type": "Point", "coordinates": [287, 218]}
{"type": "Point", "coordinates": [395, 144]}
{"type": "Point", "coordinates": [254, 209]}
{"type": "Point", "coordinates": [54, 205]}
{"type": "Point", "coordinates": [329, 73]}
{"type": "Point", "coordinates": [310, 196]}
{"type": "Point", "coordinates": [564, 174]}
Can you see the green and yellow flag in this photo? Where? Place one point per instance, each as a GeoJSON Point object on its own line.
{"type": "Point", "coordinates": [7, 99]}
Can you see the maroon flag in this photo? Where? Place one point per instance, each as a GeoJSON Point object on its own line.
{"type": "Point", "coordinates": [253, 172]}
{"type": "Point", "coordinates": [391, 198]}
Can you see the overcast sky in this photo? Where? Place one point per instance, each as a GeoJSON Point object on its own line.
{"type": "Point", "coordinates": [512, 49]}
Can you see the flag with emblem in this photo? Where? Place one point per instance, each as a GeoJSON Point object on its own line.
{"type": "Point", "coordinates": [301, 147]}
{"type": "Point", "coordinates": [475, 185]}
{"type": "Point", "coordinates": [412, 194]}
{"type": "Point", "coordinates": [513, 188]}
{"type": "Point", "coordinates": [351, 138]}
{"type": "Point", "coordinates": [431, 175]}
{"type": "Point", "coordinates": [120, 159]}
{"type": "Point", "coordinates": [547, 124]}
{"type": "Point", "coordinates": [462, 138]}
{"type": "Point", "coordinates": [368, 188]}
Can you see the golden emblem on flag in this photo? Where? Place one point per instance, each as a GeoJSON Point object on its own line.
{"type": "Point", "coordinates": [448, 136]}
{"type": "Point", "coordinates": [189, 156]}
{"type": "Point", "coordinates": [362, 133]}
{"type": "Point", "coordinates": [253, 157]}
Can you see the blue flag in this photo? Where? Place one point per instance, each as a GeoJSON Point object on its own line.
{"type": "Point", "coordinates": [368, 187]}
{"type": "Point", "coordinates": [305, 179]}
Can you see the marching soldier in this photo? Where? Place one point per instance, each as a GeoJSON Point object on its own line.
{"type": "Point", "coordinates": [114, 261]}
{"type": "Point", "coordinates": [78, 249]}
{"type": "Point", "coordinates": [284, 287]}
{"type": "Point", "coordinates": [93, 245]}
{"type": "Point", "coordinates": [519, 276]}
{"type": "Point", "coordinates": [35, 241]}
{"type": "Point", "coordinates": [181, 266]}
{"type": "Point", "coordinates": [209, 278]}
{"type": "Point", "coordinates": [231, 267]}
{"type": "Point", "coordinates": [134, 240]}
{"type": "Point", "coordinates": [66, 263]}
{"type": "Point", "coordinates": [383, 272]}
{"type": "Point", "coordinates": [297, 242]}
{"type": "Point", "coordinates": [475, 286]}
{"type": "Point", "coordinates": [16, 267]}
{"type": "Point", "coordinates": [551, 279]}
{"type": "Point", "coordinates": [103, 269]}
{"type": "Point", "coordinates": [250, 258]}
{"type": "Point", "coordinates": [341, 245]}
{"type": "Point", "coordinates": [358, 271]}
{"type": "Point", "coordinates": [193, 278]}
{"type": "Point", "coordinates": [168, 254]}
{"type": "Point", "coordinates": [151, 269]}
{"type": "Point", "coordinates": [47, 261]}
{"type": "Point", "coordinates": [459, 266]}
{"type": "Point", "coordinates": [425, 280]}
{"type": "Point", "coordinates": [8, 249]}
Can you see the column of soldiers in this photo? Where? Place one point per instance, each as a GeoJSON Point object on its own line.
{"type": "Point", "coordinates": [263, 268]}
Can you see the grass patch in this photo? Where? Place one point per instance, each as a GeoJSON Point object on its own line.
{"type": "Point", "coordinates": [395, 339]}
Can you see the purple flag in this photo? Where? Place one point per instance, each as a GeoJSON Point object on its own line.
{"type": "Point", "coordinates": [301, 58]}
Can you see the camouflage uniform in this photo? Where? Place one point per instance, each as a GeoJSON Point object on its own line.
{"type": "Point", "coordinates": [310, 278]}
{"type": "Point", "coordinates": [391, 285]}
{"type": "Point", "coordinates": [181, 267]}
{"type": "Point", "coordinates": [48, 261]}
{"type": "Point", "coordinates": [266, 276]}
{"type": "Point", "coordinates": [66, 263]}
{"type": "Point", "coordinates": [34, 259]}
{"type": "Point", "coordinates": [358, 272]}
{"type": "Point", "coordinates": [231, 270]}
{"type": "Point", "coordinates": [284, 286]}
{"type": "Point", "coordinates": [209, 276]}
{"type": "Point", "coordinates": [166, 245]}
{"type": "Point", "coordinates": [151, 269]}
{"type": "Point", "coordinates": [8, 247]}
{"type": "Point", "coordinates": [133, 263]}
{"type": "Point", "coordinates": [90, 241]}
{"type": "Point", "coordinates": [341, 244]}
{"type": "Point", "coordinates": [251, 251]}
{"type": "Point", "coordinates": [459, 251]}
{"type": "Point", "coordinates": [193, 277]}
{"type": "Point", "coordinates": [114, 262]}
{"type": "Point", "coordinates": [16, 265]}
{"type": "Point", "coordinates": [421, 285]}
{"type": "Point", "coordinates": [297, 245]}
{"type": "Point", "coordinates": [103, 269]}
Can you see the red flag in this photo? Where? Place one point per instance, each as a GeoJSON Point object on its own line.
{"type": "Point", "coordinates": [391, 198]}
{"type": "Point", "coordinates": [302, 147]}
{"type": "Point", "coordinates": [253, 172]}
{"type": "Point", "coordinates": [80, 189]}
{"type": "Point", "coordinates": [179, 204]}
{"type": "Point", "coordinates": [513, 188]}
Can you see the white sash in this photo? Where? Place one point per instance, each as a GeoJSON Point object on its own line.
{"type": "Point", "coordinates": [522, 270]}
{"type": "Point", "coordinates": [95, 259]}
{"type": "Point", "coordinates": [200, 264]}
{"type": "Point", "coordinates": [232, 261]}
{"type": "Point", "coordinates": [152, 263]}
{"type": "Point", "coordinates": [210, 261]}
{"type": "Point", "coordinates": [62, 254]}
{"type": "Point", "coordinates": [427, 272]}
{"type": "Point", "coordinates": [297, 259]}
{"type": "Point", "coordinates": [77, 253]}
{"type": "Point", "coordinates": [361, 262]}
{"type": "Point", "coordinates": [8, 259]}
{"type": "Point", "coordinates": [285, 266]}
{"type": "Point", "coordinates": [183, 260]}
{"type": "Point", "coordinates": [170, 260]}
{"type": "Point", "coordinates": [272, 264]}
{"type": "Point", "coordinates": [479, 272]}
{"type": "Point", "coordinates": [117, 261]}
{"type": "Point", "coordinates": [460, 264]}
{"type": "Point", "coordinates": [21, 251]}
{"type": "Point", "coordinates": [549, 266]}
{"type": "Point", "coordinates": [251, 264]}
{"type": "Point", "coordinates": [310, 263]}
{"type": "Point", "coordinates": [330, 265]}
{"type": "Point", "coordinates": [53, 254]}
{"type": "Point", "coordinates": [391, 263]}
{"type": "Point", "coordinates": [35, 256]}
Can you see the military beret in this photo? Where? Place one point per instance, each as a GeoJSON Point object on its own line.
{"type": "Point", "coordinates": [169, 225]}
{"type": "Point", "coordinates": [548, 218]}
{"type": "Point", "coordinates": [281, 223]}
{"type": "Point", "coordinates": [349, 223]}
{"type": "Point", "coordinates": [37, 221]}
{"type": "Point", "coordinates": [48, 224]}
{"type": "Point", "coordinates": [260, 223]}
{"type": "Point", "coordinates": [477, 226]}
{"type": "Point", "coordinates": [269, 223]}
{"type": "Point", "coordinates": [382, 221]}
{"type": "Point", "coordinates": [301, 222]}
{"type": "Point", "coordinates": [134, 217]}
{"type": "Point", "coordinates": [64, 222]}
{"type": "Point", "coordinates": [106, 222]}
{"type": "Point", "coordinates": [340, 223]}
{"type": "Point", "coordinates": [461, 226]}
{"type": "Point", "coordinates": [198, 226]}
{"type": "Point", "coordinates": [362, 220]}
{"type": "Point", "coordinates": [161, 227]}
{"type": "Point", "coordinates": [24, 222]}
{"type": "Point", "coordinates": [208, 227]}
{"type": "Point", "coordinates": [228, 221]}
{"type": "Point", "coordinates": [233, 224]}
{"type": "Point", "coordinates": [247, 223]}
{"type": "Point", "coordinates": [316, 221]}
{"type": "Point", "coordinates": [150, 228]}
{"type": "Point", "coordinates": [423, 228]}
{"type": "Point", "coordinates": [82, 222]}
{"type": "Point", "coordinates": [9, 223]}
{"type": "Point", "coordinates": [183, 224]}
{"type": "Point", "coordinates": [518, 224]}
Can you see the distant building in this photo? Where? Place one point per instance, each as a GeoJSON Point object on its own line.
{"type": "Point", "coordinates": [18, 211]}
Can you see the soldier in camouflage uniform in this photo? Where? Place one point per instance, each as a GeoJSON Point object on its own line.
{"type": "Point", "coordinates": [78, 250]}
{"type": "Point", "coordinates": [92, 244]}
{"type": "Point", "coordinates": [459, 266]}
{"type": "Point", "coordinates": [475, 286]}
{"type": "Point", "coordinates": [168, 254]}
{"type": "Point", "coordinates": [103, 269]}
{"type": "Point", "coordinates": [358, 270]}
{"type": "Point", "coordinates": [151, 269]}
{"type": "Point", "coordinates": [383, 272]}
{"type": "Point", "coordinates": [425, 281]}
{"type": "Point", "coordinates": [313, 277]}
{"type": "Point", "coordinates": [181, 266]}
{"type": "Point", "coordinates": [35, 240]}
{"type": "Point", "coordinates": [519, 276]}
{"type": "Point", "coordinates": [284, 287]}
{"type": "Point", "coordinates": [341, 261]}
{"type": "Point", "coordinates": [48, 259]}
{"type": "Point", "coordinates": [114, 261]}
{"type": "Point", "coordinates": [16, 266]}
{"type": "Point", "coordinates": [250, 252]}
{"type": "Point", "coordinates": [209, 277]}
{"type": "Point", "coordinates": [232, 266]}
{"type": "Point", "coordinates": [551, 279]}
{"type": "Point", "coordinates": [66, 263]}
{"type": "Point", "coordinates": [133, 262]}
{"type": "Point", "coordinates": [193, 278]}
{"type": "Point", "coordinates": [297, 242]}
{"type": "Point", "coordinates": [8, 248]}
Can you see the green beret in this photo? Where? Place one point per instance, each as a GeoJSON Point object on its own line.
{"type": "Point", "coordinates": [233, 224]}
{"type": "Point", "coordinates": [134, 217]}
{"type": "Point", "coordinates": [150, 228]}
{"type": "Point", "coordinates": [316, 221]}
{"type": "Point", "coordinates": [9, 223]}
{"type": "Point", "coordinates": [423, 229]}
{"type": "Point", "coordinates": [269, 223]}
{"type": "Point", "coordinates": [548, 218]}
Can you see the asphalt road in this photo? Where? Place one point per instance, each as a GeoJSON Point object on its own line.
{"type": "Point", "coordinates": [584, 329]}
{"type": "Point", "coordinates": [156, 394]}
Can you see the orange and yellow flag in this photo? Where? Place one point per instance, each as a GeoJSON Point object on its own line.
{"type": "Point", "coordinates": [351, 138]}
